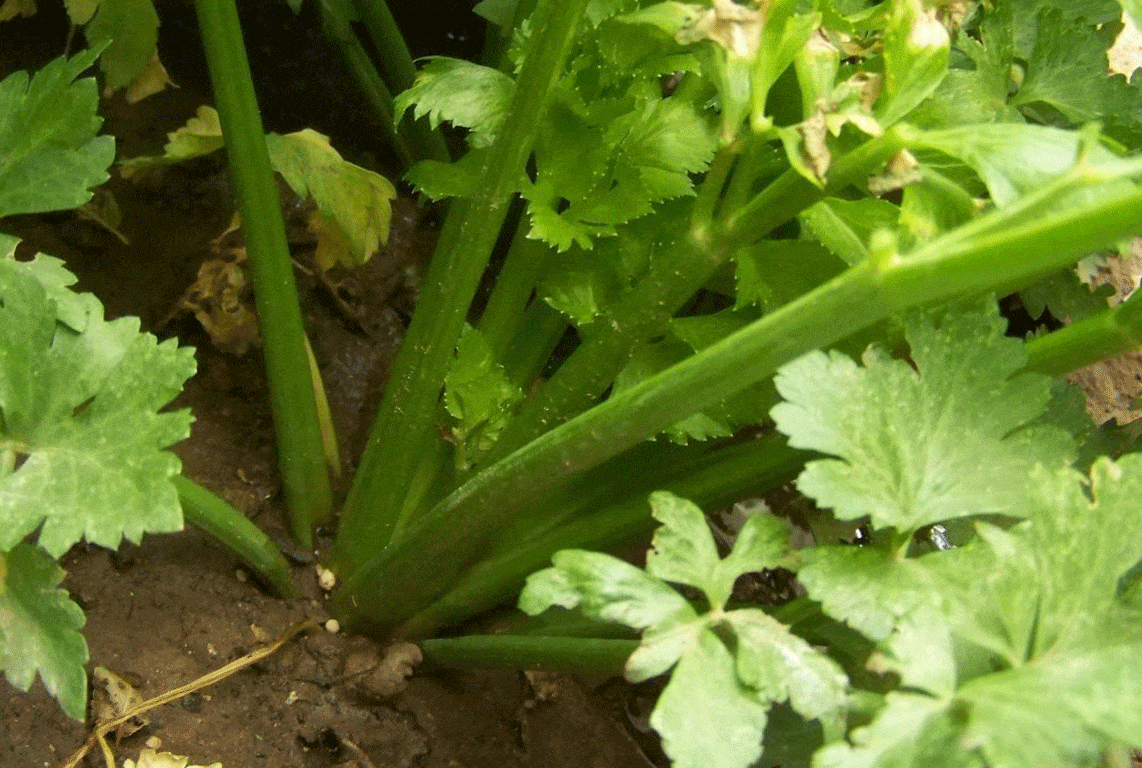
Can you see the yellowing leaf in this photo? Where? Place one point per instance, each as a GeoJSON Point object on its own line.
{"type": "Point", "coordinates": [132, 29]}
{"type": "Point", "coordinates": [332, 245]}
{"type": "Point", "coordinates": [149, 758]}
{"type": "Point", "coordinates": [353, 202]}
{"type": "Point", "coordinates": [81, 11]}
{"type": "Point", "coordinates": [221, 300]}
{"type": "Point", "coordinates": [201, 135]}
{"type": "Point", "coordinates": [114, 697]}
{"type": "Point", "coordinates": [13, 8]}
{"type": "Point", "coordinates": [153, 80]}
{"type": "Point", "coordinates": [356, 198]}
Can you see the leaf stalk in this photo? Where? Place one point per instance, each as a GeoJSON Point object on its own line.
{"type": "Point", "coordinates": [300, 454]}
{"type": "Point", "coordinates": [405, 425]}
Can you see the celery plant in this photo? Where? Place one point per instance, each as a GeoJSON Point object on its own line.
{"type": "Point", "coordinates": [800, 145]}
{"type": "Point", "coordinates": [809, 171]}
{"type": "Point", "coordinates": [712, 194]}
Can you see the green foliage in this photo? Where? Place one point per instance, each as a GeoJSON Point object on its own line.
{"type": "Point", "coordinates": [478, 395]}
{"type": "Point", "coordinates": [80, 412]}
{"type": "Point", "coordinates": [82, 438]}
{"type": "Point", "coordinates": [51, 157]}
{"type": "Point", "coordinates": [1002, 651]}
{"type": "Point", "coordinates": [723, 187]}
{"type": "Point", "coordinates": [900, 464]}
{"type": "Point", "coordinates": [39, 628]}
{"type": "Point", "coordinates": [723, 190]}
{"type": "Point", "coordinates": [82, 452]}
{"type": "Point", "coordinates": [729, 667]}
{"type": "Point", "coordinates": [990, 627]}
{"type": "Point", "coordinates": [641, 148]}
{"type": "Point", "coordinates": [356, 198]}
{"type": "Point", "coordinates": [716, 192]}
{"type": "Point", "coordinates": [462, 93]}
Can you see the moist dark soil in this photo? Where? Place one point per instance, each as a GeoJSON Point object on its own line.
{"type": "Point", "coordinates": [164, 613]}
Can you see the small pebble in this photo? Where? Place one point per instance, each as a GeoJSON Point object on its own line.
{"type": "Point", "coordinates": [325, 578]}
{"type": "Point", "coordinates": [241, 575]}
{"type": "Point", "coordinates": [154, 743]}
{"type": "Point", "coordinates": [333, 625]}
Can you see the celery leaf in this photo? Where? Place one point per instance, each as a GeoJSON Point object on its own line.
{"type": "Point", "coordinates": [50, 157]}
{"type": "Point", "coordinates": [642, 154]}
{"type": "Point", "coordinates": [1011, 649]}
{"type": "Point", "coordinates": [771, 273]}
{"type": "Point", "coordinates": [729, 667]}
{"type": "Point", "coordinates": [80, 412]}
{"type": "Point", "coordinates": [639, 149]}
{"type": "Point", "coordinates": [201, 135]}
{"type": "Point", "coordinates": [900, 460]}
{"type": "Point", "coordinates": [39, 628]}
{"type": "Point", "coordinates": [1050, 681]}
{"type": "Point", "coordinates": [462, 93]}
{"type": "Point", "coordinates": [478, 395]}
{"type": "Point", "coordinates": [845, 226]}
{"type": "Point", "coordinates": [130, 30]}
{"type": "Point", "coordinates": [353, 211]}
{"type": "Point", "coordinates": [356, 198]}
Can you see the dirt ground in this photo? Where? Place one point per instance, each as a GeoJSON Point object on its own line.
{"type": "Point", "coordinates": [164, 613]}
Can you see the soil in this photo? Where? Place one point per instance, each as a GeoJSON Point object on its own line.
{"type": "Point", "coordinates": [164, 613]}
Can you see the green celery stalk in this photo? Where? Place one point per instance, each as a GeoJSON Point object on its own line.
{"type": "Point", "coordinates": [452, 537]}
{"type": "Point", "coordinates": [405, 427]}
{"type": "Point", "coordinates": [503, 316]}
{"type": "Point", "coordinates": [205, 511]}
{"type": "Point", "coordinates": [719, 477]}
{"type": "Point", "coordinates": [300, 453]}
{"type": "Point", "coordinates": [396, 61]}
{"type": "Point", "coordinates": [380, 98]}
{"type": "Point", "coordinates": [558, 654]}
{"type": "Point", "coordinates": [541, 328]}
{"type": "Point", "coordinates": [1110, 332]}
{"type": "Point", "coordinates": [398, 71]}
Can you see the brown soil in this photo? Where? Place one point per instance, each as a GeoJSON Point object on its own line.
{"type": "Point", "coordinates": [164, 613]}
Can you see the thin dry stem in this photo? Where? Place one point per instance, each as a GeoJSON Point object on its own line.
{"type": "Point", "coordinates": [99, 734]}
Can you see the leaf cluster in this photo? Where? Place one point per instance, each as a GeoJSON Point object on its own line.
{"type": "Point", "coordinates": [1004, 650]}
{"type": "Point", "coordinates": [976, 635]}
{"type": "Point", "coordinates": [611, 147]}
{"type": "Point", "coordinates": [82, 431]}
{"type": "Point", "coordinates": [729, 666]}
